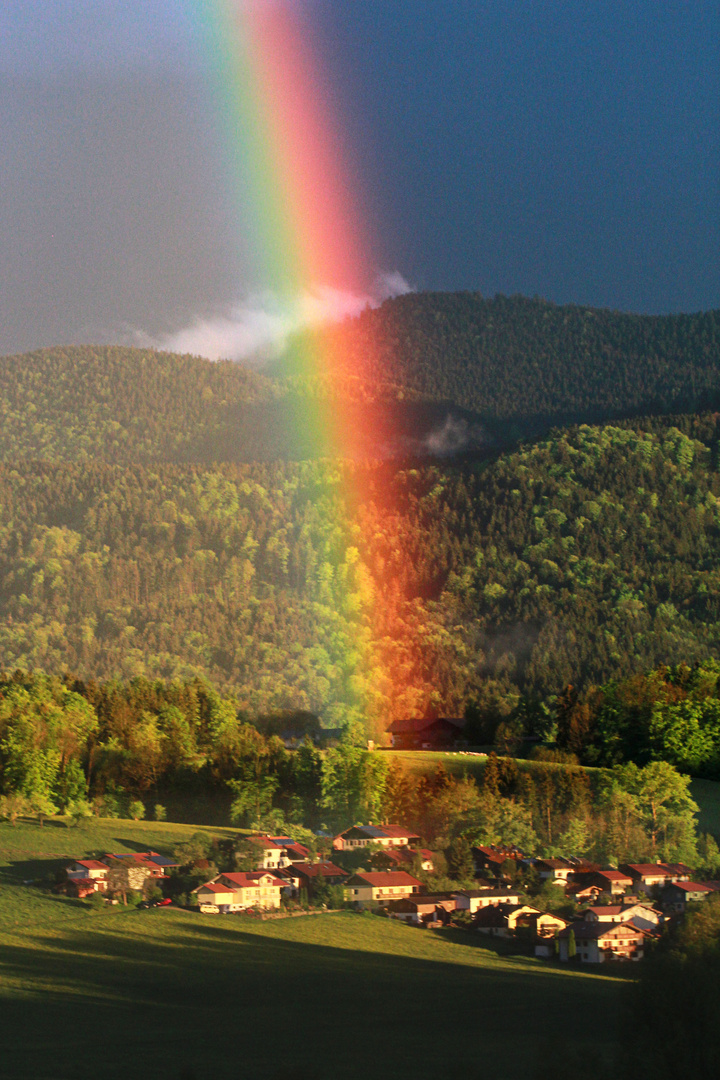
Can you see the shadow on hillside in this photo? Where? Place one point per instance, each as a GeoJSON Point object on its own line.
{"type": "Point", "coordinates": [159, 996]}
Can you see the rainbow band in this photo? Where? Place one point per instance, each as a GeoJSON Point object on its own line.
{"type": "Point", "coordinates": [290, 184]}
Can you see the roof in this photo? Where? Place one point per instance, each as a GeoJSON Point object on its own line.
{"type": "Point", "coordinates": [613, 875]}
{"type": "Point", "coordinates": [649, 869]}
{"type": "Point", "coordinates": [417, 724]}
{"type": "Point", "coordinates": [319, 869]}
{"type": "Point", "coordinates": [474, 893]}
{"type": "Point", "coordinates": [556, 864]}
{"type": "Point", "coordinates": [91, 864]}
{"type": "Point", "coordinates": [212, 886]}
{"type": "Point", "coordinates": [608, 909]}
{"type": "Point", "coordinates": [266, 842]}
{"type": "Point", "coordinates": [690, 886]}
{"type": "Point", "coordinates": [380, 878]}
{"type": "Point", "coordinates": [249, 878]}
{"type": "Point", "coordinates": [297, 849]}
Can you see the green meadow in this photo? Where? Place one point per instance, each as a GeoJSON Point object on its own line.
{"type": "Point", "coordinates": [168, 993]}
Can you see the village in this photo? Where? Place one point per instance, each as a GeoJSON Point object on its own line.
{"type": "Point", "coordinates": [616, 911]}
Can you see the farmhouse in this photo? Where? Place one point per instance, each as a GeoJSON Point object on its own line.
{"type": "Point", "coordinates": [557, 871]}
{"type": "Point", "coordinates": [425, 733]}
{"type": "Point", "coordinates": [678, 894]}
{"type": "Point", "coordinates": [473, 900]}
{"type": "Point", "coordinates": [398, 857]}
{"type": "Point", "coordinates": [642, 915]}
{"type": "Point", "coordinates": [610, 882]}
{"type": "Point", "coordinates": [597, 942]}
{"type": "Point", "coordinates": [238, 892]}
{"type": "Point", "coordinates": [87, 876]}
{"type": "Point", "coordinates": [431, 910]}
{"type": "Point", "coordinates": [378, 887]}
{"type": "Point", "coordinates": [648, 875]}
{"type": "Point", "coordinates": [360, 836]}
{"type": "Point", "coordinates": [308, 874]}
{"type": "Point", "coordinates": [490, 857]}
{"type": "Point", "coordinates": [501, 920]}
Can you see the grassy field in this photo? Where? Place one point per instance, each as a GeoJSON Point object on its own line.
{"type": "Point", "coordinates": [170, 994]}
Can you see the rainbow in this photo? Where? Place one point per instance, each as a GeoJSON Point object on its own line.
{"type": "Point", "coordinates": [290, 183]}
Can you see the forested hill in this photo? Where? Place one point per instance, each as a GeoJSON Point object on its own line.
{"type": "Point", "coordinates": [535, 362]}
{"type": "Point", "coordinates": [504, 368]}
{"type": "Point", "coordinates": [590, 555]}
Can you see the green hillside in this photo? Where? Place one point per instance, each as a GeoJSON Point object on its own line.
{"type": "Point", "coordinates": [174, 994]}
{"type": "Point", "coordinates": [587, 556]}
{"type": "Point", "coordinates": [533, 362]}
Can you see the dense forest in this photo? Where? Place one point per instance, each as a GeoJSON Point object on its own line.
{"type": "Point", "coordinates": [166, 517]}
{"type": "Point", "coordinates": [533, 362]}
{"type": "Point", "coordinates": [585, 557]}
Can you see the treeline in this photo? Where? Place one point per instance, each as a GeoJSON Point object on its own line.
{"type": "Point", "coordinates": [671, 714]}
{"type": "Point", "coordinates": [521, 364]}
{"type": "Point", "coordinates": [365, 593]}
{"type": "Point", "coordinates": [530, 361]}
{"type": "Point", "coordinates": [77, 748]}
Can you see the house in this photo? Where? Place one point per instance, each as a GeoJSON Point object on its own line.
{"type": "Point", "coordinates": [543, 924]}
{"type": "Point", "coordinates": [296, 852]}
{"type": "Point", "coordinates": [155, 864]}
{"type": "Point", "coordinates": [360, 836]}
{"type": "Point", "coordinates": [473, 900]}
{"type": "Point", "coordinates": [501, 920]}
{"type": "Point", "coordinates": [598, 942]}
{"type": "Point", "coordinates": [398, 857]}
{"type": "Point", "coordinates": [135, 871]}
{"type": "Point", "coordinates": [582, 892]}
{"type": "Point", "coordinates": [431, 910]}
{"type": "Point", "coordinates": [308, 874]}
{"type": "Point", "coordinates": [643, 915]}
{"type": "Point", "coordinates": [378, 887]}
{"type": "Point", "coordinates": [489, 857]}
{"type": "Point", "coordinates": [610, 882]}
{"type": "Point", "coordinates": [240, 891]}
{"type": "Point", "coordinates": [422, 733]}
{"type": "Point", "coordinates": [87, 876]}
{"type": "Point", "coordinates": [557, 871]}
{"type": "Point", "coordinates": [270, 851]}
{"type": "Point", "coordinates": [650, 875]}
{"type": "Point", "coordinates": [678, 894]}
{"type": "Point", "coordinates": [214, 897]}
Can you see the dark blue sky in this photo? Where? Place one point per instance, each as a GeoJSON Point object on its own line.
{"type": "Point", "coordinates": [564, 149]}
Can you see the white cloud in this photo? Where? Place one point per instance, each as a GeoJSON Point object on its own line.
{"type": "Point", "coordinates": [257, 328]}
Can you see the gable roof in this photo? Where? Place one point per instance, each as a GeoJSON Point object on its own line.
{"type": "Point", "coordinates": [381, 878]}
{"type": "Point", "coordinates": [689, 886]}
{"type": "Point", "coordinates": [250, 878]}
{"type": "Point", "coordinates": [91, 864]}
{"type": "Point", "coordinates": [417, 724]}
{"type": "Point", "coordinates": [319, 869]}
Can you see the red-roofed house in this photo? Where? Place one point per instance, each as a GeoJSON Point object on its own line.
{"type": "Point", "coordinates": [649, 875]}
{"type": "Point", "coordinates": [88, 875]}
{"type": "Point", "coordinates": [609, 882]}
{"type": "Point", "coordinates": [378, 887]}
{"type": "Point", "coordinates": [678, 894]}
{"type": "Point", "coordinates": [644, 916]}
{"type": "Point", "coordinates": [473, 900]}
{"type": "Point", "coordinates": [397, 857]}
{"type": "Point", "coordinates": [360, 836]}
{"type": "Point", "coordinates": [237, 892]}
